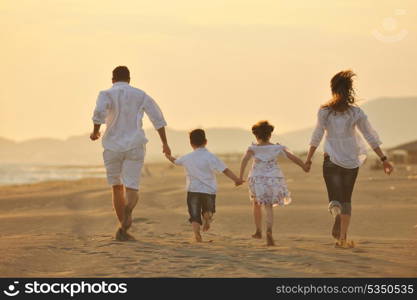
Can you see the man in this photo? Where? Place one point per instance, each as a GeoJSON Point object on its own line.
{"type": "Point", "coordinates": [122, 108]}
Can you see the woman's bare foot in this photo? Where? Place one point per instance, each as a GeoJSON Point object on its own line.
{"type": "Point", "coordinates": [269, 239]}
{"type": "Point", "coordinates": [336, 228]}
{"type": "Point", "coordinates": [344, 244]}
{"type": "Point", "coordinates": [257, 234]}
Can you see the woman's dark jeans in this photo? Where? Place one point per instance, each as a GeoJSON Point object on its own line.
{"type": "Point", "coordinates": [339, 182]}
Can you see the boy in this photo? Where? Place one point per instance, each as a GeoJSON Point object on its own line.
{"type": "Point", "coordinates": [201, 166]}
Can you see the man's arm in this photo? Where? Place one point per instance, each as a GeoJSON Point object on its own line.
{"type": "Point", "coordinates": [95, 135]}
{"type": "Point", "coordinates": [99, 115]}
{"type": "Point", "coordinates": [165, 148]}
{"type": "Point", "coordinates": [155, 115]}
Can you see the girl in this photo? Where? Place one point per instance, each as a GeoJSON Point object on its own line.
{"type": "Point", "coordinates": [344, 150]}
{"type": "Point", "coordinates": [267, 185]}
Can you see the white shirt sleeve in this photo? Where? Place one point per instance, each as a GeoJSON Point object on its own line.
{"type": "Point", "coordinates": [368, 132]}
{"type": "Point", "coordinates": [180, 161]}
{"type": "Point", "coordinates": [102, 106]}
{"type": "Point", "coordinates": [216, 164]}
{"type": "Point", "coordinates": [154, 112]}
{"type": "Point", "coordinates": [282, 150]}
{"type": "Point", "coordinates": [318, 132]}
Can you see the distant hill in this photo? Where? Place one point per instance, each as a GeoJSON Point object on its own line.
{"type": "Point", "coordinates": [394, 119]}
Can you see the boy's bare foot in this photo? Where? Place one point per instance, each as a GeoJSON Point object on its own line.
{"type": "Point", "coordinates": [269, 239]}
{"type": "Point", "coordinates": [336, 228]}
{"type": "Point", "coordinates": [198, 237]}
{"type": "Point", "coordinates": [257, 234]}
{"type": "Point", "coordinates": [207, 219]}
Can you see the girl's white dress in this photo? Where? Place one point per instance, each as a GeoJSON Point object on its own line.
{"type": "Point", "coordinates": [266, 181]}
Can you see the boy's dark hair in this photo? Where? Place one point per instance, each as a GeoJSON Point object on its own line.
{"type": "Point", "coordinates": [198, 137]}
{"type": "Point", "coordinates": [121, 73]}
{"type": "Point", "coordinates": [262, 130]}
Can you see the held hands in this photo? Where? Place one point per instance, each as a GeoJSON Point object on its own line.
{"type": "Point", "coordinates": [239, 181]}
{"type": "Point", "coordinates": [95, 136]}
{"type": "Point", "coordinates": [307, 166]}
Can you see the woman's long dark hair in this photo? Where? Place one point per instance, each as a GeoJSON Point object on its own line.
{"type": "Point", "coordinates": [342, 91]}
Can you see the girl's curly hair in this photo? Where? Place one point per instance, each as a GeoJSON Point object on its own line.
{"type": "Point", "coordinates": [262, 130]}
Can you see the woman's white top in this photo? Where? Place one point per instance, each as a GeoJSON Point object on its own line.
{"type": "Point", "coordinates": [343, 143]}
{"type": "Point", "coordinates": [265, 160]}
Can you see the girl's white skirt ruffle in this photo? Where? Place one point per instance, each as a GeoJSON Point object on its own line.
{"type": "Point", "coordinates": [269, 190]}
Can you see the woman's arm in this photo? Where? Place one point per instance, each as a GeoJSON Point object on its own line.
{"type": "Point", "coordinates": [244, 163]}
{"type": "Point", "coordinates": [310, 155]}
{"type": "Point", "coordinates": [318, 132]}
{"type": "Point", "coordinates": [296, 160]}
{"type": "Point", "coordinates": [316, 137]}
{"type": "Point", "coordinates": [388, 168]}
{"type": "Point", "coordinates": [372, 138]}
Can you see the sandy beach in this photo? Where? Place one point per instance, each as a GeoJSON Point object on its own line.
{"type": "Point", "coordinates": [66, 229]}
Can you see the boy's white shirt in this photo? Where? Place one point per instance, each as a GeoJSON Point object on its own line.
{"type": "Point", "coordinates": [122, 108]}
{"type": "Point", "coordinates": [201, 166]}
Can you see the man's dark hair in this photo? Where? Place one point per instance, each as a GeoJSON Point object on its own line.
{"type": "Point", "coordinates": [198, 137]}
{"type": "Point", "coordinates": [121, 73]}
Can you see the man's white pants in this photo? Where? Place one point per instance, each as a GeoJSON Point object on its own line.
{"type": "Point", "coordinates": [124, 167]}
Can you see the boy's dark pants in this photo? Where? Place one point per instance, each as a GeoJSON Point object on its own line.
{"type": "Point", "coordinates": [198, 204]}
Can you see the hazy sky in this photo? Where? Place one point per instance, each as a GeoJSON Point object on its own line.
{"type": "Point", "coordinates": [207, 63]}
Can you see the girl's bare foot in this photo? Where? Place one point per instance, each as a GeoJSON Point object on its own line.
{"type": "Point", "coordinates": [257, 234]}
{"type": "Point", "coordinates": [121, 235]}
{"type": "Point", "coordinates": [336, 228]}
{"type": "Point", "coordinates": [269, 239]}
{"type": "Point", "coordinates": [130, 237]}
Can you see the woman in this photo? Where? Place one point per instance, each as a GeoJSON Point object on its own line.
{"type": "Point", "coordinates": [344, 150]}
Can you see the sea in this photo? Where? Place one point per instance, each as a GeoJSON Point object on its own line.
{"type": "Point", "coordinates": [13, 174]}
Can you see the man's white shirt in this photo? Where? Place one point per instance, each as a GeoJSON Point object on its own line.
{"type": "Point", "coordinates": [122, 108]}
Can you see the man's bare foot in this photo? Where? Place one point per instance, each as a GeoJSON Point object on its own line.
{"type": "Point", "coordinates": [336, 228]}
{"type": "Point", "coordinates": [121, 235]}
{"type": "Point", "coordinates": [269, 239]}
{"type": "Point", "coordinates": [257, 234]}
{"type": "Point", "coordinates": [127, 221]}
